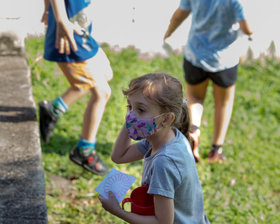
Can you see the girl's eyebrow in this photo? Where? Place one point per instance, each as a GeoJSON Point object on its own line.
{"type": "Point", "coordinates": [141, 104]}
{"type": "Point", "coordinates": [137, 103]}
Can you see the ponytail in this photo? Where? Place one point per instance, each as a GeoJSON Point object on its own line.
{"type": "Point", "coordinates": [184, 124]}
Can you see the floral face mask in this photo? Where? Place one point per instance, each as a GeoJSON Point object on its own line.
{"type": "Point", "coordinates": [139, 129]}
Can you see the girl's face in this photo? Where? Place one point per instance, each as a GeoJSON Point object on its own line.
{"type": "Point", "coordinates": [141, 107]}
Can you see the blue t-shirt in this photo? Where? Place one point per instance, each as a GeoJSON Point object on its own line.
{"type": "Point", "coordinates": [213, 33]}
{"type": "Point", "coordinates": [87, 46]}
{"type": "Point", "coordinates": [171, 173]}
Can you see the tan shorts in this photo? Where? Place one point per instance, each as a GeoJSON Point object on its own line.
{"type": "Point", "coordinates": [85, 75]}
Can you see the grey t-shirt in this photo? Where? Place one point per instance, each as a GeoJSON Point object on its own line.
{"type": "Point", "coordinates": [171, 173]}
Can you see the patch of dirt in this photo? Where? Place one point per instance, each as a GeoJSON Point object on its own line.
{"type": "Point", "coordinates": [60, 184]}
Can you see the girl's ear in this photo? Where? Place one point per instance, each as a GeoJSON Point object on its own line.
{"type": "Point", "coordinates": [168, 119]}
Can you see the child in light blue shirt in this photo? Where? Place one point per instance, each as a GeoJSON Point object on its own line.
{"type": "Point", "coordinates": [171, 172]}
{"type": "Point", "coordinates": [158, 116]}
{"type": "Point", "coordinates": [211, 38]}
{"type": "Point", "coordinates": [211, 54]}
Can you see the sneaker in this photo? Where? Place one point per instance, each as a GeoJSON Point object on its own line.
{"type": "Point", "coordinates": [92, 162]}
{"type": "Point", "coordinates": [195, 136]}
{"type": "Point", "coordinates": [47, 120]}
{"type": "Point", "coordinates": [216, 155]}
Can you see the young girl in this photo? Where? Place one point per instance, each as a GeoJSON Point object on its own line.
{"type": "Point", "coordinates": [158, 117]}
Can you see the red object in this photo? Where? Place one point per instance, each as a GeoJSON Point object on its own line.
{"type": "Point", "coordinates": [141, 202]}
{"type": "Point", "coordinates": [90, 159]}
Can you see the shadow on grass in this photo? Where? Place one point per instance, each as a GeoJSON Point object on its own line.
{"type": "Point", "coordinates": [57, 162]}
{"type": "Point", "coordinates": [62, 145]}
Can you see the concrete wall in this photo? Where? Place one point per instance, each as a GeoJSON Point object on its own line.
{"type": "Point", "coordinates": [22, 184]}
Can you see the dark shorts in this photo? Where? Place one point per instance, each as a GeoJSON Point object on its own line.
{"type": "Point", "coordinates": [195, 75]}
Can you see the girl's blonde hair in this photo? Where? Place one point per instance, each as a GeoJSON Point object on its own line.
{"type": "Point", "coordinates": [165, 91]}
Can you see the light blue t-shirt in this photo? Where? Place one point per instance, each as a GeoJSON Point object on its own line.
{"type": "Point", "coordinates": [77, 12]}
{"type": "Point", "coordinates": [213, 33]}
{"type": "Point", "coordinates": [171, 173]}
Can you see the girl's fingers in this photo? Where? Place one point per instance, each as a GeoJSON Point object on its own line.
{"type": "Point", "coordinates": [67, 46]}
{"type": "Point", "coordinates": [61, 46]}
{"type": "Point", "coordinates": [111, 195]}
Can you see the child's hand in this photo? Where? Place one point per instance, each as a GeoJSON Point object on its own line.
{"type": "Point", "coordinates": [44, 18]}
{"type": "Point", "coordinates": [166, 36]}
{"type": "Point", "coordinates": [250, 38]}
{"type": "Point", "coordinates": [65, 37]}
{"type": "Point", "coordinates": [111, 205]}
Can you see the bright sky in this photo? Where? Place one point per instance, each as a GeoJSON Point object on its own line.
{"type": "Point", "coordinates": [113, 22]}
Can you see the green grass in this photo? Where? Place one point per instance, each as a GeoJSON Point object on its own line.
{"type": "Point", "coordinates": [244, 189]}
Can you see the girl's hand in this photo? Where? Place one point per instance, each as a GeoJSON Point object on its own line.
{"type": "Point", "coordinates": [111, 205]}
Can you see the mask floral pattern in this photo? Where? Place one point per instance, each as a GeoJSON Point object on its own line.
{"type": "Point", "coordinates": [139, 129]}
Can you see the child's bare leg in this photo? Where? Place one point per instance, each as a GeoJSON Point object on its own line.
{"type": "Point", "coordinates": [50, 111]}
{"type": "Point", "coordinates": [95, 109]}
{"type": "Point", "coordinates": [224, 98]}
{"type": "Point", "coordinates": [195, 96]}
{"type": "Point", "coordinates": [98, 72]}
{"type": "Point", "coordinates": [85, 149]}
{"type": "Point", "coordinates": [71, 95]}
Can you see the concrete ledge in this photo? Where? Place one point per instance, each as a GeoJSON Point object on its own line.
{"type": "Point", "coordinates": [22, 195]}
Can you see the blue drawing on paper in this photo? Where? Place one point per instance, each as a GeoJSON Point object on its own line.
{"type": "Point", "coordinates": [117, 182]}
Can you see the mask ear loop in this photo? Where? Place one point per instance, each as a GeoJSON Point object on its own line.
{"type": "Point", "coordinates": [166, 113]}
{"type": "Point", "coordinates": [158, 124]}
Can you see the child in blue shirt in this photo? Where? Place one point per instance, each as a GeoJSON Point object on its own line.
{"type": "Point", "coordinates": [211, 54]}
{"type": "Point", "coordinates": [158, 117]}
{"type": "Point", "coordinates": [69, 43]}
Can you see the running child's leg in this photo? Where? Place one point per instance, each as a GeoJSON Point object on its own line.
{"type": "Point", "coordinates": [99, 70]}
{"type": "Point", "coordinates": [195, 95]}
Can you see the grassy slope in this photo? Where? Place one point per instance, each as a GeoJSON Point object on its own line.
{"type": "Point", "coordinates": [245, 189]}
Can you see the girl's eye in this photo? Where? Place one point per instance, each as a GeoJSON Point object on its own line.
{"type": "Point", "coordinates": [129, 108]}
{"type": "Point", "coordinates": [140, 110]}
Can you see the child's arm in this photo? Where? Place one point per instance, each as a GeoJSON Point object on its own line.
{"type": "Point", "coordinates": [64, 28]}
{"type": "Point", "coordinates": [123, 151]}
{"type": "Point", "coordinates": [177, 18]}
{"type": "Point", "coordinates": [244, 26]}
{"type": "Point", "coordinates": [164, 211]}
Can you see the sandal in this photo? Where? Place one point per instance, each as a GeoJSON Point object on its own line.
{"type": "Point", "coordinates": [92, 162]}
{"type": "Point", "coordinates": [216, 154]}
{"type": "Point", "coordinates": [195, 136]}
